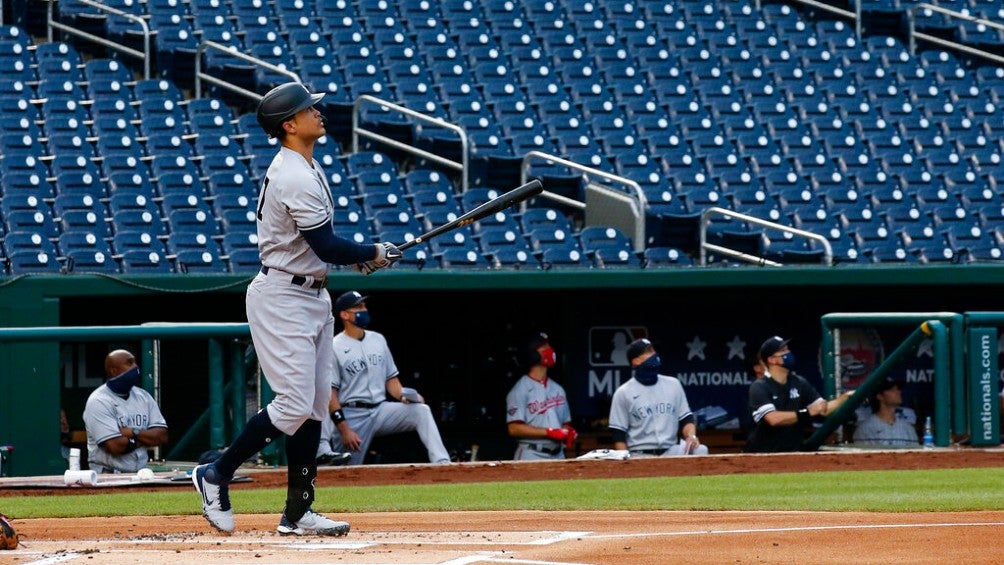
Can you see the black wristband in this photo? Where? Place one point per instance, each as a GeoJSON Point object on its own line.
{"type": "Point", "coordinates": [804, 419]}
{"type": "Point", "coordinates": [338, 416]}
{"type": "Point", "coordinates": [132, 445]}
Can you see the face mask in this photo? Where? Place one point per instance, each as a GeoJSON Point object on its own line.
{"type": "Point", "coordinates": [648, 372]}
{"type": "Point", "coordinates": [123, 383]}
{"type": "Point", "coordinates": [788, 360]}
{"type": "Point", "coordinates": [362, 319]}
{"type": "Point", "coordinates": [548, 357]}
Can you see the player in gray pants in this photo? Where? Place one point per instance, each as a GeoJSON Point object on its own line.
{"type": "Point", "coordinates": [289, 312]}
{"type": "Point", "coordinates": [364, 375]}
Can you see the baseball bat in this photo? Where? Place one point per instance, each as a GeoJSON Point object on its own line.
{"type": "Point", "coordinates": [497, 204]}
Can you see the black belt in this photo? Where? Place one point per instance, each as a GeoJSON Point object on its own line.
{"type": "Point", "coordinates": [301, 280]}
{"type": "Point", "coordinates": [544, 449]}
{"type": "Point", "coordinates": [360, 405]}
{"type": "Point", "coordinates": [649, 451]}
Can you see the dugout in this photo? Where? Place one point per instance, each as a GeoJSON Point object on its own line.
{"type": "Point", "coordinates": [453, 335]}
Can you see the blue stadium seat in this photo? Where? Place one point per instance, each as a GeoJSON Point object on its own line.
{"type": "Point", "coordinates": [140, 261]}
{"type": "Point", "coordinates": [32, 262]}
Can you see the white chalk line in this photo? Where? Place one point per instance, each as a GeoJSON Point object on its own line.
{"type": "Point", "coordinates": [798, 529]}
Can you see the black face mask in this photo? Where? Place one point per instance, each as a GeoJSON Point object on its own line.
{"type": "Point", "coordinates": [122, 384]}
{"type": "Point", "coordinates": [648, 372]}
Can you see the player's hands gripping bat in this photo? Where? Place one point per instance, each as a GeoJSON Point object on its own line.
{"type": "Point", "coordinates": [387, 254]}
{"type": "Point", "coordinates": [493, 206]}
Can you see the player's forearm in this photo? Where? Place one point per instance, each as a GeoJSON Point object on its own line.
{"type": "Point", "coordinates": [152, 437]}
{"type": "Point", "coordinates": [688, 430]}
{"type": "Point", "coordinates": [779, 418]}
{"type": "Point", "coordinates": [524, 430]}
{"type": "Point", "coordinates": [336, 250]}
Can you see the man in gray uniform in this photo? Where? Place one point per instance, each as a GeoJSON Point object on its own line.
{"type": "Point", "coordinates": [364, 375]}
{"type": "Point", "coordinates": [289, 311]}
{"type": "Point", "coordinates": [537, 412]}
{"type": "Point", "coordinates": [649, 414]}
{"type": "Point", "coordinates": [122, 420]}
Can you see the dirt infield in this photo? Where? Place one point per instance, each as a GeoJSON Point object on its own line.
{"type": "Point", "coordinates": [544, 538]}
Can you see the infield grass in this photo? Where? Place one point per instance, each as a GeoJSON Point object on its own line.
{"type": "Point", "coordinates": [887, 491]}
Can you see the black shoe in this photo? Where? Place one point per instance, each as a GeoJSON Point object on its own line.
{"type": "Point", "coordinates": [334, 459]}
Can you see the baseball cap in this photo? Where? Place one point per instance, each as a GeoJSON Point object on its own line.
{"type": "Point", "coordinates": [888, 383]}
{"type": "Point", "coordinates": [772, 346]}
{"type": "Point", "coordinates": [348, 300]}
{"type": "Point", "coordinates": [637, 347]}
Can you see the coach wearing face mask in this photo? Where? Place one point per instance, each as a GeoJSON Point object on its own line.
{"type": "Point", "coordinates": [783, 404]}
{"type": "Point", "coordinates": [649, 414]}
{"type": "Point", "coordinates": [122, 420]}
{"type": "Point", "coordinates": [365, 377]}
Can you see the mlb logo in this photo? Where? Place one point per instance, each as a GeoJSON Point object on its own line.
{"type": "Point", "coordinates": [608, 344]}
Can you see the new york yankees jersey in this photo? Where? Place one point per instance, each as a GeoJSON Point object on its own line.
{"type": "Point", "coordinates": [767, 395]}
{"type": "Point", "coordinates": [541, 404]}
{"type": "Point", "coordinates": [873, 430]}
{"type": "Point", "coordinates": [362, 368]}
{"type": "Point", "coordinates": [650, 415]}
{"type": "Point", "coordinates": [107, 412]}
{"type": "Point", "coordinates": [294, 197]}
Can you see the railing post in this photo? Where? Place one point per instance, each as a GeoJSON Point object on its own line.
{"type": "Point", "coordinates": [937, 331]}
{"type": "Point", "coordinates": [238, 399]}
{"type": "Point", "coordinates": [216, 434]}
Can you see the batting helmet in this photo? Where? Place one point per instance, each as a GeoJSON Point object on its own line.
{"type": "Point", "coordinates": [282, 103]}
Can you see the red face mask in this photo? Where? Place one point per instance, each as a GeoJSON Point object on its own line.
{"type": "Point", "coordinates": [547, 356]}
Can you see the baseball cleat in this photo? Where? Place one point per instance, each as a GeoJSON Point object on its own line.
{"type": "Point", "coordinates": [312, 523]}
{"type": "Point", "coordinates": [334, 459]}
{"type": "Point", "coordinates": [215, 499]}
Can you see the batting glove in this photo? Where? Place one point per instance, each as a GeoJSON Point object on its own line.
{"type": "Point", "coordinates": [557, 434]}
{"type": "Point", "coordinates": [387, 254]}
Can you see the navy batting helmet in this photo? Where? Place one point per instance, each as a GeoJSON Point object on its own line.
{"type": "Point", "coordinates": [282, 103]}
{"type": "Point", "coordinates": [529, 356]}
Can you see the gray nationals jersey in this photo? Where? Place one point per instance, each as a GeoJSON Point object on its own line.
{"type": "Point", "coordinates": [362, 368]}
{"type": "Point", "coordinates": [650, 415]}
{"type": "Point", "coordinates": [541, 404]}
{"type": "Point", "coordinates": [107, 412]}
{"type": "Point", "coordinates": [293, 197]}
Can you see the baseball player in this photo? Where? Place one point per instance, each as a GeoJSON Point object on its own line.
{"type": "Point", "coordinates": [122, 420]}
{"type": "Point", "coordinates": [363, 377]}
{"type": "Point", "coordinates": [783, 403]}
{"type": "Point", "coordinates": [537, 412]}
{"type": "Point", "coordinates": [289, 312]}
{"type": "Point", "coordinates": [649, 414]}
{"type": "Point", "coordinates": [887, 425]}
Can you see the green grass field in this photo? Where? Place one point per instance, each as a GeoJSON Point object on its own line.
{"type": "Point", "coordinates": [887, 491]}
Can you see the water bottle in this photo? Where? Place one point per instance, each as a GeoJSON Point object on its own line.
{"type": "Point", "coordinates": [928, 436]}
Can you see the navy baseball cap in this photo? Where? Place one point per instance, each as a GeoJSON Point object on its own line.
{"type": "Point", "coordinates": [637, 347]}
{"type": "Point", "coordinates": [348, 300]}
{"type": "Point", "coordinates": [772, 346]}
{"type": "Point", "coordinates": [888, 383]}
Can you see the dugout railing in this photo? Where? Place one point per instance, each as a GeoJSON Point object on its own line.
{"type": "Point", "coordinates": [965, 387]}
{"type": "Point", "coordinates": [227, 404]}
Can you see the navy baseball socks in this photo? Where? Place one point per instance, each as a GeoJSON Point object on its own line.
{"type": "Point", "coordinates": [297, 518]}
{"type": "Point", "coordinates": [212, 480]}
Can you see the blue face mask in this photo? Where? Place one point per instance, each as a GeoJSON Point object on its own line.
{"type": "Point", "coordinates": [122, 384]}
{"type": "Point", "coordinates": [362, 319]}
{"type": "Point", "coordinates": [648, 372]}
{"type": "Point", "coordinates": [788, 360]}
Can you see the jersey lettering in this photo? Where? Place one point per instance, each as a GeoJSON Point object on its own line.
{"type": "Point", "coordinates": [539, 407]}
{"type": "Point", "coordinates": [261, 198]}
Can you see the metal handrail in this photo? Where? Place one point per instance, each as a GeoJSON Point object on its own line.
{"type": "Point", "coordinates": [357, 131]}
{"type": "Point", "coordinates": [915, 35]}
{"type": "Point", "coordinates": [705, 246]}
{"type": "Point", "coordinates": [144, 54]}
{"type": "Point", "coordinates": [232, 51]}
{"type": "Point", "coordinates": [639, 194]}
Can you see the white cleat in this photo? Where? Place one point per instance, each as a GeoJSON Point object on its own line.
{"type": "Point", "coordinates": [312, 523]}
{"type": "Point", "coordinates": [215, 500]}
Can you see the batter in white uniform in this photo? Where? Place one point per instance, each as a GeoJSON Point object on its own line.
{"type": "Point", "coordinates": [289, 311]}
{"type": "Point", "coordinates": [649, 413]}
{"type": "Point", "coordinates": [364, 375]}
{"type": "Point", "coordinates": [537, 412]}
{"type": "Point", "coordinates": [122, 420]}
